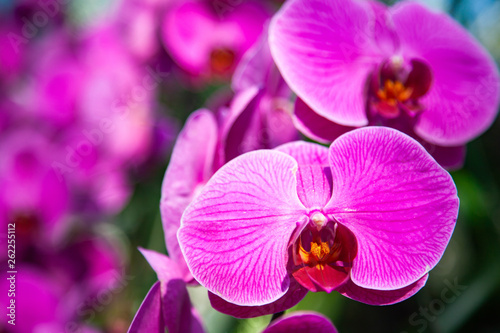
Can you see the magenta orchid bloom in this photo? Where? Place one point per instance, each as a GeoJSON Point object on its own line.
{"type": "Point", "coordinates": [368, 217]}
{"type": "Point", "coordinates": [301, 322]}
{"type": "Point", "coordinates": [208, 38]}
{"type": "Point", "coordinates": [358, 63]}
{"type": "Point", "coordinates": [167, 305]}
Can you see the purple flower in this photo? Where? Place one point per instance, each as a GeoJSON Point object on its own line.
{"type": "Point", "coordinates": [31, 196]}
{"type": "Point", "coordinates": [51, 302]}
{"type": "Point", "coordinates": [208, 38]}
{"type": "Point", "coordinates": [359, 63]}
{"type": "Point", "coordinates": [368, 217]}
{"type": "Point", "coordinates": [65, 281]}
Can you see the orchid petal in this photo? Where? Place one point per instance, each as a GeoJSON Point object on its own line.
{"type": "Point", "coordinates": [165, 268]}
{"type": "Point", "coordinates": [178, 314]}
{"type": "Point", "coordinates": [242, 128]}
{"type": "Point", "coordinates": [464, 97]}
{"type": "Point", "coordinates": [190, 167]}
{"type": "Point", "coordinates": [301, 322]}
{"type": "Point", "coordinates": [148, 318]}
{"type": "Point", "coordinates": [292, 297]}
{"type": "Point", "coordinates": [253, 69]}
{"type": "Point", "coordinates": [315, 126]}
{"type": "Point", "coordinates": [381, 297]}
{"type": "Point", "coordinates": [450, 158]}
{"type": "Point", "coordinates": [397, 201]}
{"type": "Point", "coordinates": [325, 50]}
{"type": "Point", "coordinates": [314, 182]}
{"type": "Point", "coordinates": [235, 234]}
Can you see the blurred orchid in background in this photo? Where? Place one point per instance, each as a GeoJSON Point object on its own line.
{"type": "Point", "coordinates": [207, 38]}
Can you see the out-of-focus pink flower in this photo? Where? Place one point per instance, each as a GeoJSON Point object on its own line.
{"type": "Point", "coordinates": [35, 289]}
{"type": "Point", "coordinates": [118, 96]}
{"type": "Point", "coordinates": [362, 217]}
{"type": "Point", "coordinates": [139, 23]}
{"type": "Point", "coordinates": [356, 63]}
{"type": "Point", "coordinates": [106, 103]}
{"type": "Point", "coordinates": [208, 38]}
{"type": "Point", "coordinates": [64, 284]}
{"type": "Point", "coordinates": [52, 93]}
{"type": "Point", "coordinates": [31, 195]}
{"type": "Point", "coordinates": [12, 54]}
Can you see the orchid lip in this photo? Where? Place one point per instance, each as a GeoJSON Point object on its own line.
{"type": "Point", "coordinates": [323, 254]}
{"type": "Point", "coordinates": [397, 86]}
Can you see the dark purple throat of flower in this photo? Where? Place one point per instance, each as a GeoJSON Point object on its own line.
{"type": "Point", "coordinates": [395, 87]}
{"type": "Point", "coordinates": [222, 61]}
{"type": "Point", "coordinates": [322, 254]}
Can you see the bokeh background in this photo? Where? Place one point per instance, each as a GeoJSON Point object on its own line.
{"type": "Point", "coordinates": [80, 71]}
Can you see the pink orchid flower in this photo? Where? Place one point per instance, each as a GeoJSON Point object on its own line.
{"type": "Point", "coordinates": [357, 63]}
{"type": "Point", "coordinates": [369, 217]}
{"type": "Point", "coordinates": [207, 39]}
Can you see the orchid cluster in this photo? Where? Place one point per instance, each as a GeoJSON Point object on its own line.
{"type": "Point", "coordinates": [260, 218]}
{"type": "Point", "coordinates": [69, 102]}
{"type": "Point", "coordinates": [316, 160]}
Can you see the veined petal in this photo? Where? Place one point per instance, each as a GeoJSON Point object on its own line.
{"type": "Point", "coordinates": [314, 179]}
{"type": "Point", "coordinates": [292, 297]}
{"type": "Point", "coordinates": [325, 50]}
{"type": "Point", "coordinates": [397, 201]}
{"type": "Point", "coordinates": [464, 97]}
{"type": "Point", "coordinates": [190, 167]}
{"type": "Point", "coordinates": [235, 234]}
{"type": "Point", "coordinates": [381, 297]}
{"type": "Point", "coordinates": [149, 318]}
{"type": "Point", "coordinates": [301, 322]}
